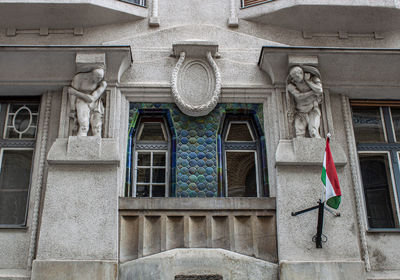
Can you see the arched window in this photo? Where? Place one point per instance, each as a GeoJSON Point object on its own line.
{"type": "Point", "coordinates": [242, 157]}
{"type": "Point", "coordinates": [151, 162]}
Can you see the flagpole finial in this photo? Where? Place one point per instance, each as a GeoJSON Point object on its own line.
{"type": "Point", "coordinates": [328, 135]}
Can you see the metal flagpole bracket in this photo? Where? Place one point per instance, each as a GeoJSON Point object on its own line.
{"type": "Point", "coordinates": [319, 238]}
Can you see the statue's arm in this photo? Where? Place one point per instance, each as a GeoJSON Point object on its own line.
{"type": "Point", "coordinates": [87, 98]}
{"type": "Point", "coordinates": [299, 95]}
{"type": "Point", "coordinates": [98, 92]}
{"type": "Point", "coordinates": [315, 84]}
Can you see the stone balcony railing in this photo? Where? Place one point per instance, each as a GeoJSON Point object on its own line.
{"type": "Point", "coordinates": [242, 225]}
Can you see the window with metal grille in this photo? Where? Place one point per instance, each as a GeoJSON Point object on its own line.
{"type": "Point", "coordinates": [18, 122]}
{"type": "Point", "coordinates": [136, 2]}
{"type": "Point", "coordinates": [377, 135]}
{"type": "Point", "coordinates": [250, 3]}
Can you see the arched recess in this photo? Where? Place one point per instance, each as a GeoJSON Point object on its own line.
{"type": "Point", "coordinates": [228, 147]}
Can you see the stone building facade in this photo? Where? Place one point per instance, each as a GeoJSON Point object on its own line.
{"type": "Point", "coordinates": [173, 139]}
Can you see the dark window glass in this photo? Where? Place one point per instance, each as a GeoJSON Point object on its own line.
{"type": "Point", "coordinates": [158, 191]}
{"type": "Point", "coordinates": [159, 159]}
{"type": "Point", "coordinates": [239, 132]}
{"type": "Point", "coordinates": [143, 175]}
{"type": "Point", "coordinates": [378, 190]}
{"type": "Point", "coordinates": [152, 131]}
{"type": "Point", "coordinates": [144, 159]}
{"type": "Point", "coordinates": [158, 175]}
{"type": "Point", "coordinates": [396, 122]}
{"type": "Point", "coordinates": [241, 174]}
{"type": "Point", "coordinates": [14, 185]}
{"type": "Point", "coordinates": [142, 190]}
{"type": "Point", "coordinates": [368, 125]}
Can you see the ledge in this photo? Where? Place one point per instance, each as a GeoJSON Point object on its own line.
{"type": "Point", "coordinates": [219, 203]}
{"type": "Point", "coordinates": [195, 48]}
{"type": "Point", "coordinates": [67, 13]}
{"type": "Point", "coordinates": [359, 73]}
{"type": "Point", "coordinates": [84, 150]}
{"type": "Point", "coordinates": [307, 151]}
{"type": "Point", "coordinates": [362, 16]}
{"type": "Point", "coordinates": [52, 67]}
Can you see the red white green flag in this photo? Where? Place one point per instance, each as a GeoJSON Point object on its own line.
{"type": "Point", "coordinates": [330, 179]}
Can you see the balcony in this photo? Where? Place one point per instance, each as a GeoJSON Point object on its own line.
{"type": "Point", "coordinates": [242, 225]}
{"type": "Point", "coordinates": [362, 16]}
{"type": "Point", "coordinates": [34, 14]}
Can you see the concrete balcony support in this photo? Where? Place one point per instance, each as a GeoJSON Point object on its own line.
{"type": "Point", "coordinates": [242, 225]}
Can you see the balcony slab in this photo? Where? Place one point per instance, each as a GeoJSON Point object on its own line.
{"type": "Point", "coordinates": [361, 16]}
{"type": "Point", "coordinates": [31, 14]}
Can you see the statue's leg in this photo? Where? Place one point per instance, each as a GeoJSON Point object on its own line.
{"type": "Point", "coordinates": [96, 122]}
{"type": "Point", "coordinates": [314, 122]}
{"type": "Point", "coordinates": [300, 125]}
{"type": "Point", "coordinates": [83, 114]}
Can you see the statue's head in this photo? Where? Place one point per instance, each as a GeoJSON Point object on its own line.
{"type": "Point", "coordinates": [297, 74]}
{"type": "Point", "coordinates": [98, 75]}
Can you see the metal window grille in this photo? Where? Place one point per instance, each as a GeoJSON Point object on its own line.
{"type": "Point", "coordinates": [250, 3]}
{"type": "Point", "coordinates": [136, 2]}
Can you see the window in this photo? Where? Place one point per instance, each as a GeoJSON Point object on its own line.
{"type": "Point", "coordinates": [243, 159]}
{"type": "Point", "coordinates": [151, 158]}
{"type": "Point", "coordinates": [18, 123]}
{"type": "Point", "coordinates": [251, 3]}
{"type": "Point", "coordinates": [136, 2]}
{"type": "Point", "coordinates": [377, 134]}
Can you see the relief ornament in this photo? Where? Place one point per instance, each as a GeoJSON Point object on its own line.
{"type": "Point", "coordinates": [305, 87]}
{"type": "Point", "coordinates": [196, 78]}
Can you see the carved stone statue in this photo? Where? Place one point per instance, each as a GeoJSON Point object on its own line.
{"type": "Point", "coordinates": [85, 99]}
{"type": "Point", "coordinates": [304, 85]}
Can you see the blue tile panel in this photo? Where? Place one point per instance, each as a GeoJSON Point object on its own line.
{"type": "Point", "coordinates": [195, 157]}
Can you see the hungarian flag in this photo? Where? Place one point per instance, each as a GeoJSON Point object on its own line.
{"type": "Point", "coordinates": [330, 179]}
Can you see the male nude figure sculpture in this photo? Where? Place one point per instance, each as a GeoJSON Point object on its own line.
{"type": "Point", "coordinates": [85, 99]}
{"type": "Point", "coordinates": [306, 90]}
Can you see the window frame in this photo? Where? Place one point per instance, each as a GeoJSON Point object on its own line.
{"type": "Point", "coordinates": [389, 147]}
{"type": "Point", "coordinates": [241, 146]}
{"type": "Point", "coordinates": [18, 144]}
{"type": "Point", "coordinates": [151, 147]}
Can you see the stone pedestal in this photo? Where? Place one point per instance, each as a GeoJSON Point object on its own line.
{"type": "Point", "coordinates": [79, 228]}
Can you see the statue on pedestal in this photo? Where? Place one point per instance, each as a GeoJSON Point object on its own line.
{"type": "Point", "coordinates": [85, 100]}
{"type": "Point", "coordinates": [304, 85]}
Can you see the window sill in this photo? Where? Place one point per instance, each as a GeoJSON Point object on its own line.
{"type": "Point", "coordinates": [13, 227]}
{"type": "Point", "coordinates": [383, 230]}
{"type": "Point", "coordinates": [183, 203]}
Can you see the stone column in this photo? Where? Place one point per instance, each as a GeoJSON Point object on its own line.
{"type": "Point", "coordinates": [78, 236]}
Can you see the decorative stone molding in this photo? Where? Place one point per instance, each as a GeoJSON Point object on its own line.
{"type": "Point", "coordinates": [88, 150]}
{"type": "Point", "coordinates": [233, 20]}
{"type": "Point", "coordinates": [307, 151]}
{"type": "Point", "coordinates": [356, 179]}
{"type": "Point", "coordinates": [196, 81]}
{"type": "Point", "coordinates": [39, 181]}
{"type": "Point", "coordinates": [154, 20]}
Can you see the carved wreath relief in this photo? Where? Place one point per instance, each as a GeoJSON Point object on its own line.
{"type": "Point", "coordinates": [305, 88]}
{"type": "Point", "coordinates": [85, 97]}
{"type": "Point", "coordinates": [195, 87]}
